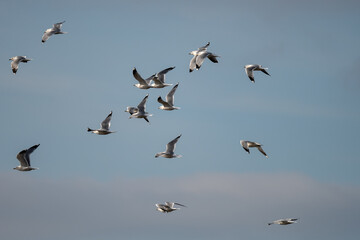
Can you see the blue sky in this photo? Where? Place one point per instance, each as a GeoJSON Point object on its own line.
{"type": "Point", "coordinates": [306, 115]}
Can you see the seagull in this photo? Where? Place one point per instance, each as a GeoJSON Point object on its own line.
{"type": "Point", "coordinates": [199, 57]}
{"type": "Point", "coordinates": [249, 69]}
{"type": "Point", "coordinates": [24, 159]}
{"type": "Point", "coordinates": [143, 83]}
{"type": "Point", "coordinates": [169, 103]}
{"type": "Point", "coordinates": [167, 207]}
{"type": "Point", "coordinates": [169, 152]}
{"type": "Point", "coordinates": [104, 126]}
{"type": "Point", "coordinates": [56, 29]}
{"type": "Point", "coordinates": [140, 111]}
{"type": "Point", "coordinates": [285, 221]}
{"type": "Point", "coordinates": [248, 144]}
{"type": "Point", "coordinates": [15, 62]}
{"type": "Point", "coordinates": [159, 78]}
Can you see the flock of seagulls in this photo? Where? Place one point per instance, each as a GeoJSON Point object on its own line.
{"type": "Point", "coordinates": [156, 80]}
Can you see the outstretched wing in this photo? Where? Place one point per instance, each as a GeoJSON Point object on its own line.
{"type": "Point", "coordinates": [46, 35]}
{"type": "Point", "coordinates": [212, 58]}
{"type": "Point", "coordinates": [161, 75]}
{"type": "Point", "coordinates": [170, 95]}
{"type": "Point", "coordinates": [142, 105]}
{"type": "Point", "coordinates": [180, 204]}
{"type": "Point", "coordinates": [262, 151]}
{"type": "Point", "coordinates": [170, 147]}
{"type": "Point", "coordinates": [138, 77]}
{"type": "Point", "coordinates": [14, 66]}
{"type": "Point", "coordinates": [106, 123]}
{"type": "Point", "coordinates": [250, 73]}
{"type": "Point", "coordinates": [264, 71]}
{"type": "Point", "coordinates": [57, 26]}
{"type": "Point", "coordinates": [192, 65]}
{"type": "Point", "coordinates": [204, 47]}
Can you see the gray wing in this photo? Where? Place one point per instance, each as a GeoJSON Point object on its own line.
{"type": "Point", "coordinates": [170, 147]}
{"type": "Point", "coordinates": [204, 47]}
{"type": "Point", "coordinates": [262, 151]}
{"type": "Point", "coordinates": [57, 26]}
{"type": "Point", "coordinates": [212, 58]}
{"type": "Point", "coordinates": [157, 81]}
{"type": "Point", "coordinates": [142, 105]}
{"type": "Point", "coordinates": [21, 157]}
{"type": "Point", "coordinates": [149, 79]}
{"type": "Point", "coordinates": [250, 73]}
{"type": "Point", "coordinates": [138, 77]}
{"type": "Point", "coordinates": [165, 104]}
{"type": "Point", "coordinates": [264, 71]}
{"type": "Point", "coordinates": [29, 151]}
{"type": "Point", "coordinates": [170, 204]}
{"type": "Point", "coordinates": [170, 95]}
{"type": "Point", "coordinates": [161, 75]}
{"type": "Point", "coordinates": [192, 65]}
{"type": "Point", "coordinates": [106, 123]}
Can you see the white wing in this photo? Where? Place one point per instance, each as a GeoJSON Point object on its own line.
{"type": "Point", "coordinates": [192, 65]}
{"type": "Point", "coordinates": [138, 77]}
{"type": "Point", "coordinates": [161, 74]}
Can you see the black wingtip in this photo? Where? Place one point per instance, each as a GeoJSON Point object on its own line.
{"type": "Point", "coordinates": [89, 130]}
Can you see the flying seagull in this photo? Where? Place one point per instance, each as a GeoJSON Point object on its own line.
{"type": "Point", "coordinates": [169, 103]}
{"type": "Point", "coordinates": [170, 148]}
{"type": "Point", "coordinates": [104, 126]}
{"type": "Point", "coordinates": [167, 207]}
{"type": "Point", "coordinates": [24, 159]}
{"type": "Point", "coordinates": [15, 62]}
{"type": "Point", "coordinates": [248, 144]}
{"type": "Point", "coordinates": [143, 83]}
{"type": "Point", "coordinates": [159, 78]}
{"type": "Point", "coordinates": [56, 29]}
{"type": "Point", "coordinates": [249, 69]}
{"type": "Point", "coordinates": [199, 57]}
{"type": "Point", "coordinates": [139, 111]}
{"type": "Point", "coordinates": [285, 221]}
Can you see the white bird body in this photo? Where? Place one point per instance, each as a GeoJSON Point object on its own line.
{"type": "Point", "coordinates": [24, 159]}
{"type": "Point", "coordinates": [285, 221]}
{"type": "Point", "coordinates": [169, 103]}
{"type": "Point", "coordinates": [248, 144]}
{"type": "Point", "coordinates": [167, 207]}
{"type": "Point", "coordinates": [199, 57]}
{"type": "Point", "coordinates": [170, 148]}
{"type": "Point", "coordinates": [15, 62]}
{"type": "Point", "coordinates": [56, 29]}
{"type": "Point", "coordinates": [104, 126]}
{"type": "Point", "coordinates": [249, 69]}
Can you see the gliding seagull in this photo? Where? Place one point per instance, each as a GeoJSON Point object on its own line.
{"type": "Point", "coordinates": [56, 29]}
{"type": "Point", "coordinates": [249, 69]}
{"type": "Point", "coordinates": [24, 159]}
{"type": "Point", "coordinates": [143, 83]}
{"type": "Point", "coordinates": [170, 148]}
{"type": "Point", "coordinates": [199, 57]}
{"type": "Point", "coordinates": [167, 207]}
{"type": "Point", "coordinates": [285, 221]}
{"type": "Point", "coordinates": [140, 111]}
{"type": "Point", "coordinates": [104, 126]}
{"type": "Point", "coordinates": [248, 144]}
{"type": "Point", "coordinates": [15, 62]}
{"type": "Point", "coordinates": [169, 103]}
